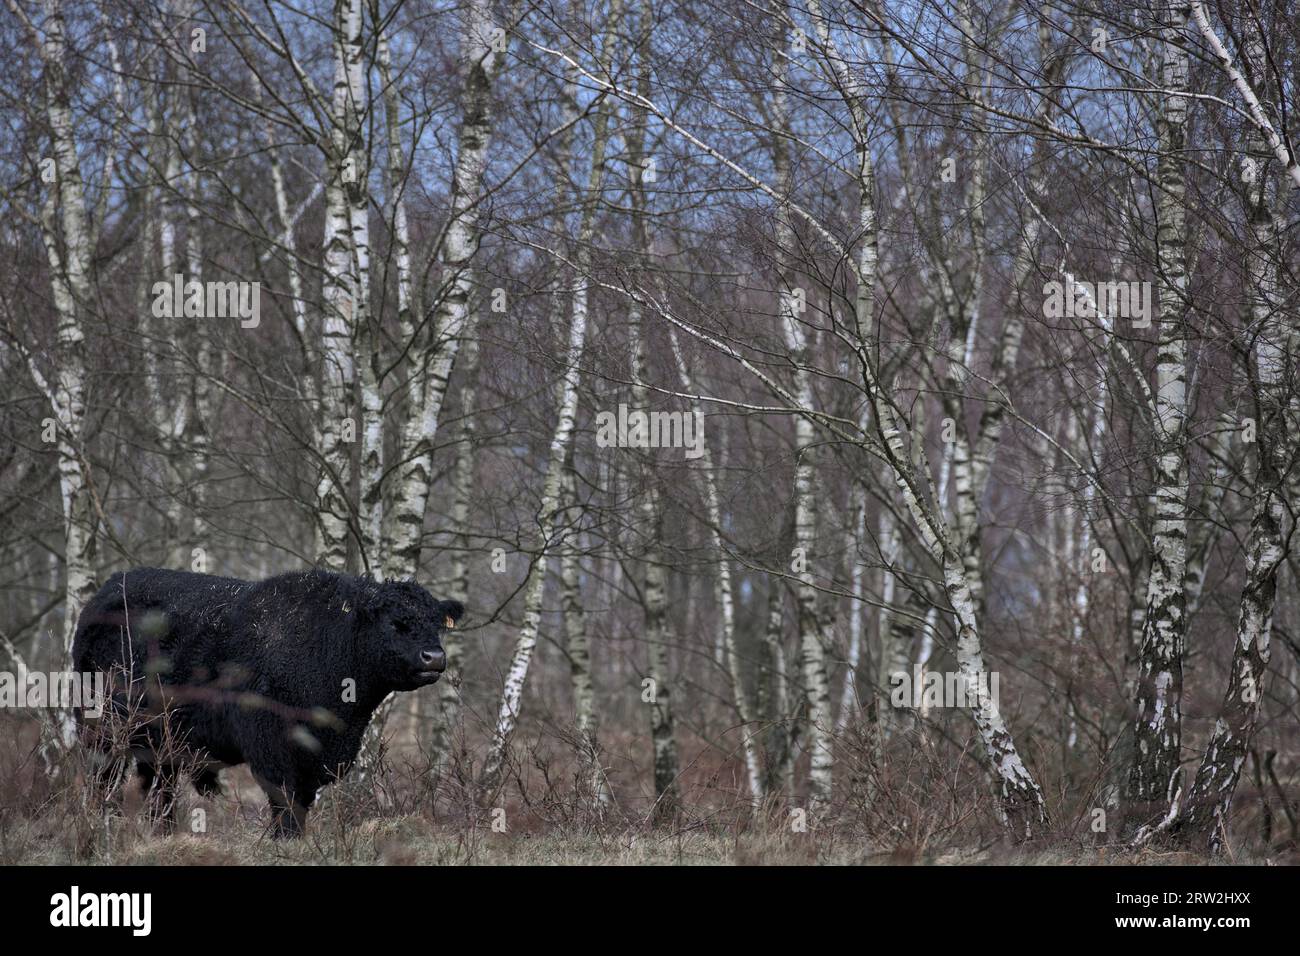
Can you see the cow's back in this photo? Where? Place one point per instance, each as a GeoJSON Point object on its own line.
{"type": "Point", "coordinates": [146, 611]}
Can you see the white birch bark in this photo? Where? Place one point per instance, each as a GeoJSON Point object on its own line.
{"type": "Point", "coordinates": [366, 339]}
{"type": "Point", "coordinates": [849, 701]}
{"type": "Point", "coordinates": [403, 520]}
{"type": "Point", "coordinates": [1258, 116]}
{"type": "Point", "coordinates": [578, 648]}
{"type": "Point", "coordinates": [1020, 799]}
{"type": "Point", "coordinates": [1154, 777]}
{"type": "Point", "coordinates": [1205, 813]}
{"type": "Point", "coordinates": [345, 166]}
{"type": "Point", "coordinates": [567, 395]}
{"type": "Point", "coordinates": [372, 491]}
{"type": "Point", "coordinates": [811, 640]}
{"type": "Point", "coordinates": [776, 711]}
{"type": "Point", "coordinates": [723, 593]}
{"type": "Point", "coordinates": [65, 231]}
{"type": "Point", "coordinates": [526, 642]}
{"type": "Point", "coordinates": [199, 439]}
{"type": "Point", "coordinates": [895, 640]}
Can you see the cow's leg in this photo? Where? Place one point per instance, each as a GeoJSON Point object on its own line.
{"type": "Point", "coordinates": [288, 807]}
{"type": "Point", "coordinates": [207, 782]}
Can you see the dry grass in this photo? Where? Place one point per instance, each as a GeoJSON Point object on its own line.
{"type": "Point", "coordinates": [905, 813]}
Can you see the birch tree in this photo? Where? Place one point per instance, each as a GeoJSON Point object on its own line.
{"type": "Point", "coordinates": [793, 300]}
{"type": "Point", "coordinates": [65, 232]}
{"type": "Point", "coordinates": [1154, 774]}
{"type": "Point", "coordinates": [345, 243]}
{"type": "Point", "coordinates": [1269, 328]}
{"type": "Point", "coordinates": [658, 630]}
{"type": "Point", "coordinates": [482, 53]}
{"type": "Point", "coordinates": [567, 408]}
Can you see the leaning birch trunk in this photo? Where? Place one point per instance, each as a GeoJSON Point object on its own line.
{"type": "Point", "coordinates": [65, 231]}
{"type": "Point", "coordinates": [724, 594]}
{"type": "Point", "coordinates": [1205, 813]}
{"type": "Point", "coordinates": [567, 394]}
{"type": "Point", "coordinates": [403, 520]}
{"type": "Point", "coordinates": [1020, 801]}
{"type": "Point", "coordinates": [1154, 777]}
{"type": "Point", "coordinates": [508, 712]}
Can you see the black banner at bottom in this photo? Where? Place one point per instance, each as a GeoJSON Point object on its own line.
{"type": "Point", "coordinates": [135, 906]}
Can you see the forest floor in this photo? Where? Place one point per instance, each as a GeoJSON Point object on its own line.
{"type": "Point", "coordinates": [401, 820]}
{"type": "Point", "coordinates": [416, 841]}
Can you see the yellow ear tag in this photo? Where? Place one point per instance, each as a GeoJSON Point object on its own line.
{"type": "Point", "coordinates": [450, 622]}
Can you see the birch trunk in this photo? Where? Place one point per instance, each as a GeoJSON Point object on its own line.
{"type": "Point", "coordinates": [724, 595]}
{"type": "Point", "coordinates": [849, 701]}
{"type": "Point", "coordinates": [1154, 776]}
{"type": "Point", "coordinates": [65, 231]}
{"type": "Point", "coordinates": [365, 335]}
{"type": "Point", "coordinates": [346, 164]}
{"type": "Point", "coordinates": [852, 90]}
{"type": "Point", "coordinates": [526, 642]}
{"type": "Point", "coordinates": [896, 635]}
{"type": "Point", "coordinates": [579, 651]}
{"type": "Point", "coordinates": [447, 690]}
{"type": "Point", "coordinates": [667, 791]}
{"type": "Point", "coordinates": [658, 631]}
{"type": "Point", "coordinates": [811, 641]}
{"type": "Point", "coordinates": [567, 395]}
{"type": "Point", "coordinates": [403, 520]}
{"type": "Point", "coordinates": [1020, 800]}
{"type": "Point", "coordinates": [1205, 814]}
{"type": "Point", "coordinates": [776, 711]}
{"type": "Point", "coordinates": [203, 394]}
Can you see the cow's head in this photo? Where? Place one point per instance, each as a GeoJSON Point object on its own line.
{"type": "Point", "coordinates": [406, 626]}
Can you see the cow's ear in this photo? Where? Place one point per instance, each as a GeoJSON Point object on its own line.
{"type": "Point", "coordinates": [451, 612]}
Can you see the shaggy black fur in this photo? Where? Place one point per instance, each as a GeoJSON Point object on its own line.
{"type": "Point", "coordinates": [282, 674]}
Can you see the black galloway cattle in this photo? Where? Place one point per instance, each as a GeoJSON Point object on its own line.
{"type": "Point", "coordinates": [282, 674]}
